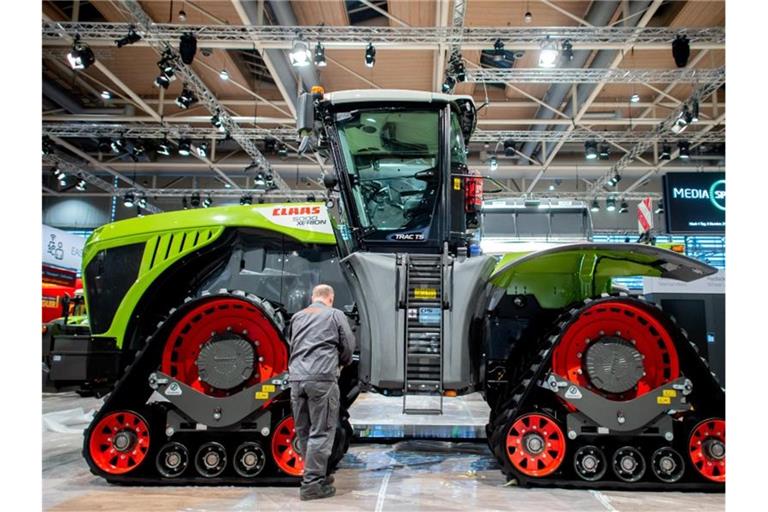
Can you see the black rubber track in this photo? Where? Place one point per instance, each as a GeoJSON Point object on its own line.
{"type": "Point", "coordinates": [132, 391]}
{"type": "Point", "coordinates": [708, 398]}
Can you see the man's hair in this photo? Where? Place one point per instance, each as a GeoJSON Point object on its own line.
{"type": "Point", "coordinates": [322, 290]}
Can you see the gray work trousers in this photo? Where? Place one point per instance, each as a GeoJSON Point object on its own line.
{"type": "Point", "coordinates": [315, 412]}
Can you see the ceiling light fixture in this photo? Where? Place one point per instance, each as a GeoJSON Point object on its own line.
{"type": "Point", "coordinates": [659, 207]}
{"type": "Point", "coordinates": [128, 200]}
{"type": "Point", "coordinates": [186, 98]}
{"type": "Point", "coordinates": [624, 208]}
{"type": "Point", "coordinates": [614, 180]}
{"type": "Point", "coordinates": [80, 56]}
{"type": "Point", "coordinates": [81, 185]}
{"type": "Point", "coordinates": [682, 121]}
{"type": "Point", "coordinates": [370, 55]}
{"type": "Point", "coordinates": [224, 74]}
{"type": "Point", "coordinates": [117, 145]}
{"type": "Point", "coordinates": [194, 200]}
{"type": "Point", "coordinates": [681, 50]}
{"type": "Point", "coordinates": [142, 202]}
{"type": "Point", "coordinates": [493, 163]}
{"type": "Point", "coordinates": [187, 47]}
{"type": "Point", "coordinates": [610, 204]}
{"type": "Point", "coordinates": [216, 122]}
{"type": "Point", "coordinates": [498, 51]}
{"type": "Point", "coordinates": [590, 150]}
{"type": "Point", "coordinates": [202, 149]}
{"type": "Point", "coordinates": [595, 206]}
{"type": "Point", "coordinates": [567, 49]}
{"type": "Point", "coordinates": [604, 151]}
{"type": "Point", "coordinates": [131, 38]}
{"type": "Point", "coordinates": [666, 152]}
{"type": "Point", "coordinates": [300, 55]}
{"type": "Point", "coordinates": [635, 98]}
{"type": "Point", "coordinates": [246, 199]}
{"type": "Point", "coordinates": [684, 149]}
{"type": "Point", "coordinates": [549, 54]}
{"type": "Point", "coordinates": [528, 17]}
{"type": "Point", "coordinates": [163, 147]}
{"type": "Point", "coordinates": [106, 95]}
{"type": "Point", "coordinates": [208, 201]}
{"type": "Point", "coordinates": [320, 56]}
{"type": "Point", "coordinates": [185, 147]}
{"type": "Point", "coordinates": [449, 84]}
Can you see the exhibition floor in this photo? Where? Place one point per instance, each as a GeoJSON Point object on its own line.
{"type": "Point", "coordinates": [405, 475]}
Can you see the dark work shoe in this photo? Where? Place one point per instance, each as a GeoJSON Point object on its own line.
{"type": "Point", "coordinates": [329, 480]}
{"type": "Point", "coordinates": [316, 492]}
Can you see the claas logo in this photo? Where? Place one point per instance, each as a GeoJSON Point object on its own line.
{"type": "Point", "coordinates": [296, 210]}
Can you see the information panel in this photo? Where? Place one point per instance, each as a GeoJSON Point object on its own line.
{"type": "Point", "coordinates": [694, 202]}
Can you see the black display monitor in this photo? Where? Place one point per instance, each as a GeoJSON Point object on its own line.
{"type": "Point", "coordinates": [694, 202]}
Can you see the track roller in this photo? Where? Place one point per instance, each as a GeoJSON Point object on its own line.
{"type": "Point", "coordinates": [667, 464]}
{"type": "Point", "coordinates": [706, 448]}
{"type": "Point", "coordinates": [590, 463]}
{"type": "Point", "coordinates": [284, 448]}
{"type": "Point", "coordinates": [119, 442]}
{"type": "Point", "coordinates": [535, 445]}
{"type": "Point", "coordinates": [172, 459]}
{"type": "Point", "coordinates": [249, 459]}
{"type": "Point", "coordinates": [211, 459]}
{"type": "Point", "coordinates": [628, 464]}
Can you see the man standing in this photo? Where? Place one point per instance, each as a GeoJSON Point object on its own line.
{"type": "Point", "coordinates": [321, 340]}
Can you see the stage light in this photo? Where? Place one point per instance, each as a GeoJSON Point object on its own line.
{"type": "Point", "coordinates": [47, 145]}
{"type": "Point", "coordinates": [208, 201]}
{"type": "Point", "coordinates": [132, 37]}
{"type": "Point", "coordinates": [610, 204]}
{"type": "Point", "coordinates": [549, 54]}
{"type": "Point", "coordinates": [202, 150]}
{"type": "Point", "coordinates": [624, 208]}
{"type": "Point", "coordinates": [162, 81]}
{"type": "Point", "coordinates": [106, 95]}
{"type": "Point", "coordinates": [186, 98]}
{"type": "Point", "coordinates": [142, 202]}
{"type": "Point", "coordinates": [684, 149]}
{"type": "Point", "coordinates": [528, 17]}
{"type": "Point", "coordinates": [185, 147]}
{"type": "Point", "coordinates": [163, 148]}
{"type": "Point", "coordinates": [659, 207]}
{"type": "Point", "coordinates": [128, 200]}
{"type": "Point", "coordinates": [320, 56]}
{"type": "Point", "coordinates": [224, 74]}
{"type": "Point", "coordinates": [498, 50]}
{"type": "Point", "coordinates": [449, 83]}
{"type": "Point", "coordinates": [216, 122]}
{"type": "Point", "coordinates": [604, 152]}
{"type": "Point", "coordinates": [635, 98]}
{"type": "Point", "coordinates": [370, 55]}
{"type": "Point", "coordinates": [81, 185]}
{"type": "Point", "coordinates": [246, 199]}
{"type": "Point", "coordinates": [590, 150]}
{"type": "Point", "coordinates": [493, 164]}
{"type": "Point", "coordinates": [614, 180]}
{"type": "Point", "coordinates": [81, 56]}
{"type": "Point", "coordinates": [595, 206]}
{"type": "Point", "coordinates": [666, 152]}
{"type": "Point", "coordinates": [194, 200]}
{"type": "Point", "coordinates": [187, 48]}
{"type": "Point", "coordinates": [282, 151]}
{"type": "Point", "coordinates": [695, 111]}
{"type": "Point", "coordinates": [681, 50]}
{"type": "Point", "coordinates": [567, 49]}
{"type": "Point", "coordinates": [300, 55]}
{"type": "Point", "coordinates": [117, 145]}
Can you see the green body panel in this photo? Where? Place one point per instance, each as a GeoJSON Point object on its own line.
{"type": "Point", "coordinates": [168, 237]}
{"type": "Point", "coordinates": [558, 279]}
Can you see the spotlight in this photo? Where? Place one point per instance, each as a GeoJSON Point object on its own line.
{"type": "Point", "coordinates": [187, 47]}
{"type": "Point", "coordinates": [184, 202]}
{"type": "Point", "coordinates": [259, 182]}
{"type": "Point", "coordinates": [300, 55]}
{"type": "Point", "coordinates": [458, 69]}
{"type": "Point", "coordinates": [449, 84]}
{"type": "Point", "coordinates": [182, 15]}
{"type": "Point", "coordinates": [320, 56]}
{"type": "Point", "coordinates": [548, 55]}
{"type": "Point", "coordinates": [105, 145]}
{"type": "Point", "coordinates": [666, 152]}
{"type": "Point", "coordinates": [162, 81]}
{"type": "Point", "coordinates": [614, 180]}
{"type": "Point", "coordinates": [224, 74]}
{"type": "Point", "coordinates": [81, 185]}
{"type": "Point", "coordinates": [595, 206]}
{"type": "Point", "coordinates": [106, 95]}
{"type": "Point", "coordinates": [610, 204]}
{"type": "Point", "coordinates": [604, 152]}
{"type": "Point", "coordinates": [246, 199]}
{"type": "Point", "coordinates": [137, 149]}
{"type": "Point", "coordinates": [509, 148]}
{"type": "Point", "coordinates": [370, 55]}
{"type": "Point", "coordinates": [498, 50]}
{"type": "Point", "coordinates": [62, 180]}
{"type": "Point", "coordinates": [681, 50]}
{"type": "Point", "coordinates": [567, 50]}
{"type": "Point", "coordinates": [684, 149]}
{"type": "Point", "coordinates": [282, 151]}
{"type": "Point", "coordinates": [528, 17]}
{"type": "Point", "coordinates": [117, 145]}
{"type": "Point", "coordinates": [142, 202]}
{"type": "Point", "coordinates": [163, 147]}
{"type": "Point", "coordinates": [194, 200]}
{"type": "Point", "coordinates": [128, 200]}
{"type": "Point", "coordinates": [695, 111]}
{"type": "Point", "coordinates": [81, 56]}
{"type": "Point", "coordinates": [635, 98]}
{"type": "Point", "coordinates": [493, 164]}
{"type": "Point", "coordinates": [186, 98]}
{"type": "Point", "coordinates": [659, 207]}
{"type": "Point", "coordinates": [47, 145]}
{"type": "Point", "coordinates": [682, 121]}
{"type": "Point", "coordinates": [132, 37]}
{"type": "Point", "coordinates": [185, 147]}
{"type": "Point", "coordinates": [624, 208]}
{"type": "Point", "coordinates": [551, 187]}
{"type": "Point", "coordinates": [216, 122]}
{"type": "Point", "coordinates": [208, 201]}
{"type": "Point", "coordinates": [590, 150]}
{"type": "Point", "coordinates": [202, 149]}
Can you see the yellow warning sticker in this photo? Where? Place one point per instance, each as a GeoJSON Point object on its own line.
{"type": "Point", "coordinates": [261, 395]}
{"type": "Point", "coordinates": [663, 400]}
{"type": "Point", "coordinates": [456, 183]}
{"type": "Point", "coordinates": [670, 393]}
{"type": "Point", "coordinates": [269, 388]}
{"type": "Point", "coordinates": [425, 293]}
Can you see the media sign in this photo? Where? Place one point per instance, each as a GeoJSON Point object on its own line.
{"type": "Point", "coordinates": [694, 202]}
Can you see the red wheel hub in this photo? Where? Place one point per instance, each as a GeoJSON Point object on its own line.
{"type": "Point", "coordinates": [707, 449]}
{"type": "Point", "coordinates": [284, 449]}
{"type": "Point", "coordinates": [220, 316]}
{"type": "Point", "coordinates": [535, 445]}
{"type": "Point", "coordinates": [629, 324]}
{"type": "Point", "coordinates": [119, 442]}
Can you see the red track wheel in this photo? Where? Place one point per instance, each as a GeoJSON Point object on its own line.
{"type": "Point", "coordinates": [284, 448]}
{"type": "Point", "coordinates": [224, 336]}
{"type": "Point", "coordinates": [119, 442]}
{"type": "Point", "coordinates": [707, 449]}
{"type": "Point", "coordinates": [617, 348]}
{"type": "Point", "coordinates": [535, 445]}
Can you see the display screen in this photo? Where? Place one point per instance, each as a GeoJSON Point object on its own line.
{"type": "Point", "coordinates": [694, 202]}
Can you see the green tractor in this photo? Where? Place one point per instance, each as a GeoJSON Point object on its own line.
{"type": "Point", "coordinates": [587, 388]}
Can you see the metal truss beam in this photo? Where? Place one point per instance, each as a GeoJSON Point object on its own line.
{"type": "Point", "coordinates": [263, 196]}
{"type": "Point", "coordinates": [579, 135]}
{"type": "Point", "coordinates": [592, 75]}
{"type": "Point", "coordinates": [403, 38]}
{"type": "Point", "coordinates": [148, 29]}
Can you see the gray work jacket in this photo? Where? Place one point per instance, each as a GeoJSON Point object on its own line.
{"type": "Point", "coordinates": [320, 338]}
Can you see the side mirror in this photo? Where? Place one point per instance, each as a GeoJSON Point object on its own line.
{"type": "Point", "coordinates": [330, 180]}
